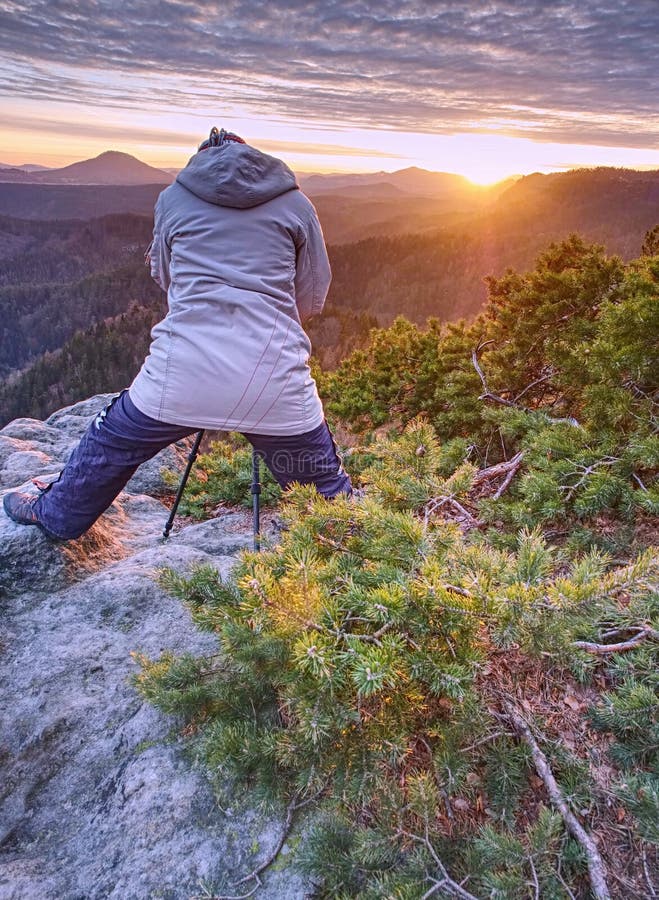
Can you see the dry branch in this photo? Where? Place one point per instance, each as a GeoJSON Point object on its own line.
{"type": "Point", "coordinates": [291, 809]}
{"type": "Point", "coordinates": [642, 634]}
{"type": "Point", "coordinates": [596, 868]}
{"type": "Point", "coordinates": [508, 467]}
{"type": "Point", "coordinates": [444, 882]}
{"type": "Point", "coordinates": [502, 401]}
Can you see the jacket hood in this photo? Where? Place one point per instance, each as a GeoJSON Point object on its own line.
{"type": "Point", "coordinates": [236, 175]}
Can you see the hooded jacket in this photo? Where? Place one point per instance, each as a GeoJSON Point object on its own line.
{"type": "Point", "coordinates": [239, 249]}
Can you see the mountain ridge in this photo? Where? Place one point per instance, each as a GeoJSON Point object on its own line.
{"type": "Point", "coordinates": [111, 167]}
{"type": "Point", "coordinates": [25, 167]}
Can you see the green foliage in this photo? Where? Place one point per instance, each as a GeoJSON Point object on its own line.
{"type": "Point", "coordinates": [568, 354]}
{"type": "Point", "coordinates": [514, 866]}
{"type": "Point", "coordinates": [364, 659]}
{"type": "Point", "coordinates": [350, 666]}
{"type": "Point", "coordinates": [640, 794]}
{"type": "Point", "coordinates": [223, 475]}
{"type": "Point", "coordinates": [650, 245]}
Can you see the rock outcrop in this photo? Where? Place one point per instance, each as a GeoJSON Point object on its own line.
{"type": "Point", "coordinates": [98, 798]}
{"type": "Point", "coordinates": [29, 447]}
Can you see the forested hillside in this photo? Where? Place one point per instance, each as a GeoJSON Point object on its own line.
{"type": "Point", "coordinates": [39, 252]}
{"type": "Point", "coordinates": [604, 204]}
{"type": "Point", "coordinates": [44, 202]}
{"type": "Point", "coordinates": [560, 367]}
{"type": "Point", "coordinates": [37, 318]}
{"type": "Point", "coordinates": [57, 278]}
{"type": "Point", "coordinates": [106, 356]}
{"type": "Point", "coordinates": [614, 207]}
{"type": "Point", "coordinates": [101, 359]}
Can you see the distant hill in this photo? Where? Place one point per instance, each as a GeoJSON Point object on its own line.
{"type": "Point", "coordinates": [59, 277]}
{"type": "Point", "coordinates": [614, 207]}
{"type": "Point", "coordinates": [396, 255]}
{"type": "Point", "coordinates": [11, 174]}
{"type": "Point", "coordinates": [25, 167]}
{"type": "Point", "coordinates": [111, 167]}
{"type": "Point", "coordinates": [350, 207]}
{"type": "Point", "coordinates": [419, 182]}
{"type": "Point", "coordinates": [347, 215]}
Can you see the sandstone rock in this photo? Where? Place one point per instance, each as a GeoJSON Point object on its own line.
{"type": "Point", "coordinates": [24, 464]}
{"type": "Point", "coordinates": [9, 445]}
{"type": "Point", "coordinates": [149, 480]}
{"type": "Point", "coordinates": [98, 795]}
{"type": "Point", "coordinates": [30, 448]}
{"type": "Point", "coordinates": [216, 536]}
{"type": "Point", "coordinates": [32, 430]}
{"type": "Point", "coordinates": [75, 418]}
{"type": "Point", "coordinates": [31, 561]}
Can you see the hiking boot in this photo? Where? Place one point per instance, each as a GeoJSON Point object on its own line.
{"type": "Point", "coordinates": [19, 506]}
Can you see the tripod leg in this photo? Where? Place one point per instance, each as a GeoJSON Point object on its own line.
{"type": "Point", "coordinates": [191, 458]}
{"type": "Point", "coordinates": [256, 499]}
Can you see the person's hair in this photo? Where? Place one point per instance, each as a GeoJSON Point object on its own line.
{"type": "Point", "coordinates": [219, 136]}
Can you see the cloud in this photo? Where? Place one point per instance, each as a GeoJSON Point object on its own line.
{"type": "Point", "coordinates": [154, 136]}
{"type": "Point", "coordinates": [570, 71]}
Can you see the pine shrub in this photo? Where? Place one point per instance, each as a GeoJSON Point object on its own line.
{"type": "Point", "coordinates": [364, 661]}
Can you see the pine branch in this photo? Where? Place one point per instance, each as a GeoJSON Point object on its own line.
{"type": "Point", "coordinates": [536, 883]}
{"type": "Point", "coordinates": [584, 472]}
{"type": "Point", "coordinates": [596, 867]}
{"type": "Point", "coordinates": [437, 502]}
{"type": "Point", "coordinates": [454, 589]}
{"type": "Point", "coordinates": [490, 737]}
{"type": "Point", "coordinates": [335, 545]}
{"type": "Point", "coordinates": [568, 891]}
{"type": "Point", "coordinates": [529, 387]}
{"type": "Point", "coordinates": [646, 872]}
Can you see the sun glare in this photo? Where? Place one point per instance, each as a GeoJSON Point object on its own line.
{"type": "Point", "coordinates": [487, 158]}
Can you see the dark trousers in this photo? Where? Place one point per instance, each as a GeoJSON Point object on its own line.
{"type": "Point", "coordinates": [121, 438]}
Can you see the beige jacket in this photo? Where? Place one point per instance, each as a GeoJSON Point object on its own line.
{"type": "Point", "coordinates": [240, 252]}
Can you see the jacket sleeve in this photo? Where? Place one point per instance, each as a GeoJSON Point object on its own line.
{"type": "Point", "coordinates": [312, 269]}
{"type": "Point", "coordinates": [158, 252]}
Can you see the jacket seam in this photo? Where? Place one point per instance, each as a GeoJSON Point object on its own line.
{"type": "Point", "coordinates": [165, 218]}
{"type": "Point", "coordinates": [314, 282]}
{"type": "Point", "coordinates": [166, 377]}
{"type": "Point", "coordinates": [305, 393]}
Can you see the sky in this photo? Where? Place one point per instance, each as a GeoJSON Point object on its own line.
{"type": "Point", "coordinates": [485, 89]}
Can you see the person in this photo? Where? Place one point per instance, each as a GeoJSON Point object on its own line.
{"type": "Point", "coordinates": [240, 251]}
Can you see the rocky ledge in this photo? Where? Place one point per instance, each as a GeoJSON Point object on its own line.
{"type": "Point", "coordinates": [98, 796]}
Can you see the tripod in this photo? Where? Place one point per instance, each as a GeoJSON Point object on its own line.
{"type": "Point", "coordinates": [255, 490]}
